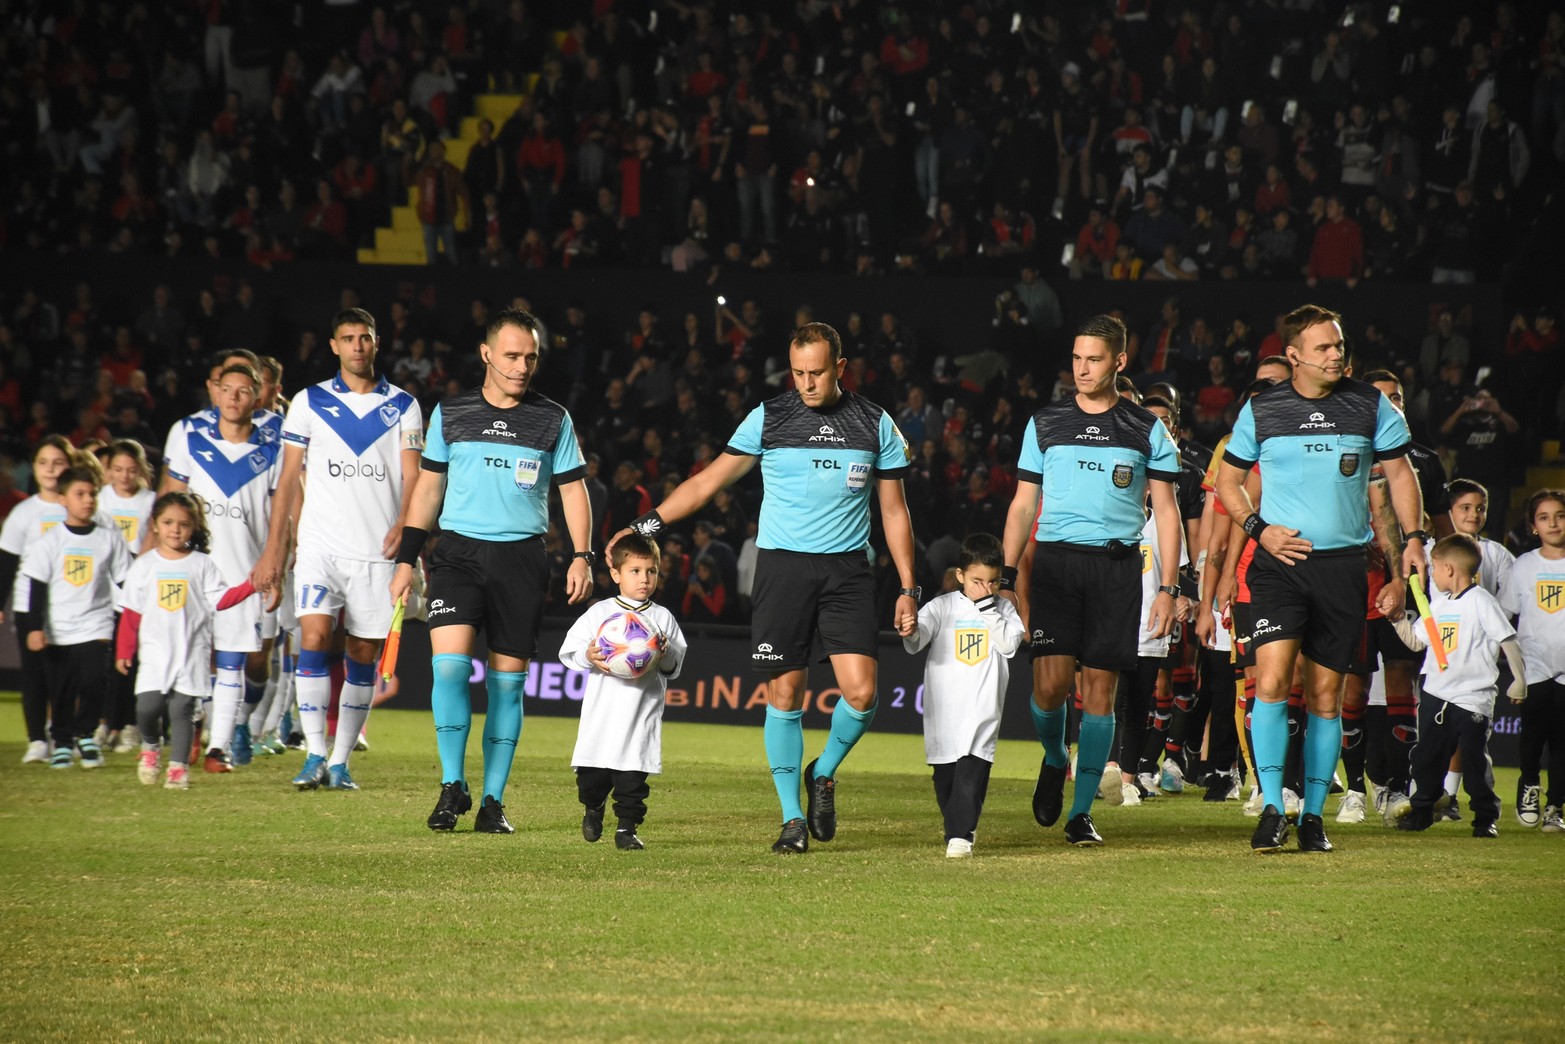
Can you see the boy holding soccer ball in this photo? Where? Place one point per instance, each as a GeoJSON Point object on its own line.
{"type": "Point", "coordinates": [620, 739]}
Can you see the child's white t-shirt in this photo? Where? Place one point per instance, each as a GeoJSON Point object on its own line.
{"type": "Point", "coordinates": [966, 674]}
{"type": "Point", "coordinates": [1471, 626]}
{"type": "Point", "coordinates": [621, 724]}
{"type": "Point", "coordinates": [1536, 596]}
{"type": "Point", "coordinates": [177, 600]}
{"type": "Point", "coordinates": [82, 571]}
{"type": "Point", "coordinates": [131, 514]}
{"type": "Point", "coordinates": [26, 524]}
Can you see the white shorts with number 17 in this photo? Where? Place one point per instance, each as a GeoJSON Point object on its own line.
{"type": "Point", "coordinates": [323, 585]}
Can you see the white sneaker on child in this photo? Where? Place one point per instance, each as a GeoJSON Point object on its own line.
{"type": "Point", "coordinates": [37, 751]}
{"type": "Point", "coordinates": [1290, 803]}
{"type": "Point", "coordinates": [147, 767]}
{"type": "Point", "coordinates": [1252, 807]}
{"type": "Point", "coordinates": [1352, 808]}
{"type": "Point", "coordinates": [129, 740]}
{"type": "Point", "coordinates": [959, 848]}
{"type": "Point", "coordinates": [1109, 785]}
{"type": "Point", "coordinates": [1128, 794]}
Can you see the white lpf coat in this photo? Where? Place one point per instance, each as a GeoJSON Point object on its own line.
{"type": "Point", "coordinates": [622, 721]}
{"type": "Point", "coordinates": [966, 673]}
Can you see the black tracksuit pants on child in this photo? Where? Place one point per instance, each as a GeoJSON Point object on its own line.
{"type": "Point", "coordinates": [78, 677]}
{"type": "Point", "coordinates": [630, 790]}
{"type": "Point", "coordinates": [1443, 729]}
{"type": "Point", "coordinates": [960, 788]}
{"type": "Point", "coordinates": [1543, 725]}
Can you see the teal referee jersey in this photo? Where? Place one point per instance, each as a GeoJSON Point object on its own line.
{"type": "Point", "coordinates": [817, 467]}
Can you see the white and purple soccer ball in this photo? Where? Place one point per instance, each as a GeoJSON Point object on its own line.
{"type": "Point", "coordinates": [630, 646]}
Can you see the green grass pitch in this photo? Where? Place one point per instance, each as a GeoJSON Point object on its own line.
{"type": "Point", "coordinates": [241, 910]}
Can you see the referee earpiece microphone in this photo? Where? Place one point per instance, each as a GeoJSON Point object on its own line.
{"type": "Point", "coordinates": [502, 373]}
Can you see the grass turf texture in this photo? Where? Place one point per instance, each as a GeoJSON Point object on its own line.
{"type": "Point", "coordinates": [241, 909]}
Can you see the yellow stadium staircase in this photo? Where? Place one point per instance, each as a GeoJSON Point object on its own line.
{"type": "Point", "coordinates": [403, 242]}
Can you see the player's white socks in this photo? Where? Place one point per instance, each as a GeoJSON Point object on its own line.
{"type": "Point", "coordinates": [312, 681]}
{"type": "Point", "coordinates": [228, 693]}
{"type": "Point", "coordinates": [1453, 780]}
{"type": "Point", "coordinates": [353, 708]}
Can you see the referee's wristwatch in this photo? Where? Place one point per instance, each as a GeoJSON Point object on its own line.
{"type": "Point", "coordinates": [1418, 535]}
{"type": "Point", "coordinates": [915, 593]}
{"type": "Point", "coordinates": [591, 557]}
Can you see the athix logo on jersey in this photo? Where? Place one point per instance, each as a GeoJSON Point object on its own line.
{"type": "Point", "coordinates": [1551, 593]}
{"type": "Point", "coordinates": [439, 606]}
{"type": "Point", "coordinates": [526, 473]}
{"type": "Point", "coordinates": [764, 652]}
{"type": "Point", "coordinates": [500, 429]}
{"type": "Point", "coordinates": [1316, 421]}
{"type": "Point", "coordinates": [171, 593]}
{"type": "Point", "coordinates": [1093, 434]}
{"type": "Point", "coordinates": [972, 643]}
{"type": "Point", "coordinates": [858, 476]}
{"type": "Point", "coordinates": [1265, 626]}
{"type": "Point", "coordinates": [78, 569]}
{"type": "Point", "coordinates": [1449, 629]}
{"type": "Point", "coordinates": [828, 434]}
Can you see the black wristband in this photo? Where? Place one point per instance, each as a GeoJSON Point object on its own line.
{"type": "Point", "coordinates": [1169, 589]}
{"type": "Point", "coordinates": [1418, 535]}
{"type": "Point", "coordinates": [1007, 578]}
{"type": "Point", "coordinates": [412, 544]}
{"type": "Point", "coordinates": [650, 524]}
{"type": "Point", "coordinates": [1253, 526]}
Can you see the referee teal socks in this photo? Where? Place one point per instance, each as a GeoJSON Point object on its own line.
{"type": "Point", "coordinates": [1269, 746]}
{"type": "Point", "coordinates": [502, 728]}
{"type": "Point", "coordinates": [1050, 726]}
{"type": "Point", "coordinates": [1092, 753]}
{"type": "Point", "coordinates": [847, 727]}
{"type": "Point", "coordinates": [453, 709]}
{"type": "Point", "coordinates": [784, 737]}
{"type": "Point", "coordinates": [1322, 748]}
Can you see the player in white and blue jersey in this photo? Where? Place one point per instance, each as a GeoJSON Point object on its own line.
{"type": "Point", "coordinates": [354, 443]}
{"type": "Point", "coordinates": [822, 449]}
{"type": "Point", "coordinates": [490, 460]}
{"type": "Point", "coordinates": [233, 467]}
{"type": "Point", "coordinates": [1316, 439]}
{"type": "Point", "coordinates": [268, 423]}
{"type": "Point", "coordinates": [1095, 459]}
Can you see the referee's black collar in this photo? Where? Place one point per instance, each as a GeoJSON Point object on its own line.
{"type": "Point", "coordinates": [632, 607]}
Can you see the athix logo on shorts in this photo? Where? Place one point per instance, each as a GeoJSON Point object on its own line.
{"type": "Point", "coordinates": [439, 606]}
{"type": "Point", "coordinates": [500, 430]}
{"type": "Point", "coordinates": [1316, 421]}
{"type": "Point", "coordinates": [828, 434]}
{"type": "Point", "coordinates": [1264, 626]}
{"type": "Point", "coordinates": [1093, 434]}
{"type": "Point", "coordinates": [764, 652]}
{"type": "Point", "coordinates": [1040, 639]}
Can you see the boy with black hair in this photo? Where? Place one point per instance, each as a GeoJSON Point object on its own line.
{"type": "Point", "coordinates": [970, 633]}
{"type": "Point", "coordinates": [1457, 708]}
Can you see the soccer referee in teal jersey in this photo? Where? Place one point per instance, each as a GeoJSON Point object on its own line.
{"type": "Point", "coordinates": [1315, 438]}
{"type": "Point", "coordinates": [1093, 457]}
{"type": "Point", "coordinates": [823, 451]}
{"type": "Point", "coordinates": [490, 459]}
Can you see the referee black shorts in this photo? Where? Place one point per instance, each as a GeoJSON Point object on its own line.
{"type": "Point", "coordinates": [1319, 600]}
{"type": "Point", "coordinates": [806, 606]}
{"type": "Point", "coordinates": [1086, 603]}
{"type": "Point", "coordinates": [497, 586]}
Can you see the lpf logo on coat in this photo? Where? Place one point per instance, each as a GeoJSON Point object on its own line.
{"type": "Point", "coordinates": [526, 473]}
{"type": "Point", "coordinates": [1449, 632]}
{"type": "Point", "coordinates": [972, 643]}
{"type": "Point", "coordinates": [171, 594]}
{"type": "Point", "coordinates": [78, 569]}
{"type": "Point", "coordinates": [858, 475]}
{"type": "Point", "coordinates": [1551, 593]}
{"type": "Point", "coordinates": [1146, 558]}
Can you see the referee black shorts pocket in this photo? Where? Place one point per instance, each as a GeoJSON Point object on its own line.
{"type": "Point", "coordinates": [801, 603]}
{"type": "Point", "coordinates": [1085, 603]}
{"type": "Point", "coordinates": [1319, 601]}
{"type": "Point", "coordinates": [496, 586]}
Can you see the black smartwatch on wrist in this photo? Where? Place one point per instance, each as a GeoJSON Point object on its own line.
{"type": "Point", "coordinates": [1169, 589]}
{"type": "Point", "coordinates": [915, 593]}
{"type": "Point", "coordinates": [590, 556]}
{"type": "Point", "coordinates": [1417, 534]}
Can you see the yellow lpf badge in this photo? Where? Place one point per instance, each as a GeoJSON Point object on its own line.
{"type": "Point", "coordinates": [171, 594]}
{"type": "Point", "coordinates": [972, 645]}
{"type": "Point", "coordinates": [78, 570]}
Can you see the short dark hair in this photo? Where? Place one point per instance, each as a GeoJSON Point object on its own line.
{"type": "Point", "coordinates": [1107, 328]}
{"type": "Point", "coordinates": [1276, 360]}
{"type": "Point", "coordinates": [350, 317]}
{"type": "Point", "coordinates": [1158, 400]}
{"type": "Point", "coordinates": [1382, 377]}
{"type": "Point", "coordinates": [980, 549]}
{"type": "Point", "coordinates": [220, 359]}
{"type": "Point", "coordinates": [1304, 317]}
{"type": "Point", "coordinates": [79, 473]}
{"type": "Point", "coordinates": [634, 544]}
{"type": "Point", "coordinates": [1463, 487]}
{"type": "Point", "coordinates": [1255, 388]}
{"type": "Point", "coordinates": [810, 333]}
{"type": "Point", "coordinates": [1461, 551]}
{"type": "Point", "coordinates": [244, 370]}
{"type": "Point", "coordinates": [516, 317]}
{"type": "Point", "coordinates": [272, 367]}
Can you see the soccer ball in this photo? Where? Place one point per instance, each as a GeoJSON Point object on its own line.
{"type": "Point", "coordinates": [630, 646]}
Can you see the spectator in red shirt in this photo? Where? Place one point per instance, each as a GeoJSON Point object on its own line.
{"type": "Point", "coordinates": [540, 163]}
{"type": "Point", "coordinates": [1273, 193]}
{"type": "Point", "coordinates": [1213, 400]}
{"type": "Point", "coordinates": [1095, 244]}
{"type": "Point", "coordinates": [902, 52]}
{"type": "Point", "coordinates": [1338, 252]}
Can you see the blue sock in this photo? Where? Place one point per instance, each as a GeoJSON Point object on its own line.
{"type": "Point", "coordinates": [453, 713]}
{"type": "Point", "coordinates": [847, 726]}
{"type": "Point", "coordinates": [784, 737]}
{"type": "Point", "coordinates": [1269, 742]}
{"type": "Point", "coordinates": [1092, 753]}
{"type": "Point", "coordinates": [502, 728]}
{"type": "Point", "coordinates": [1050, 726]}
{"type": "Point", "coordinates": [1322, 748]}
